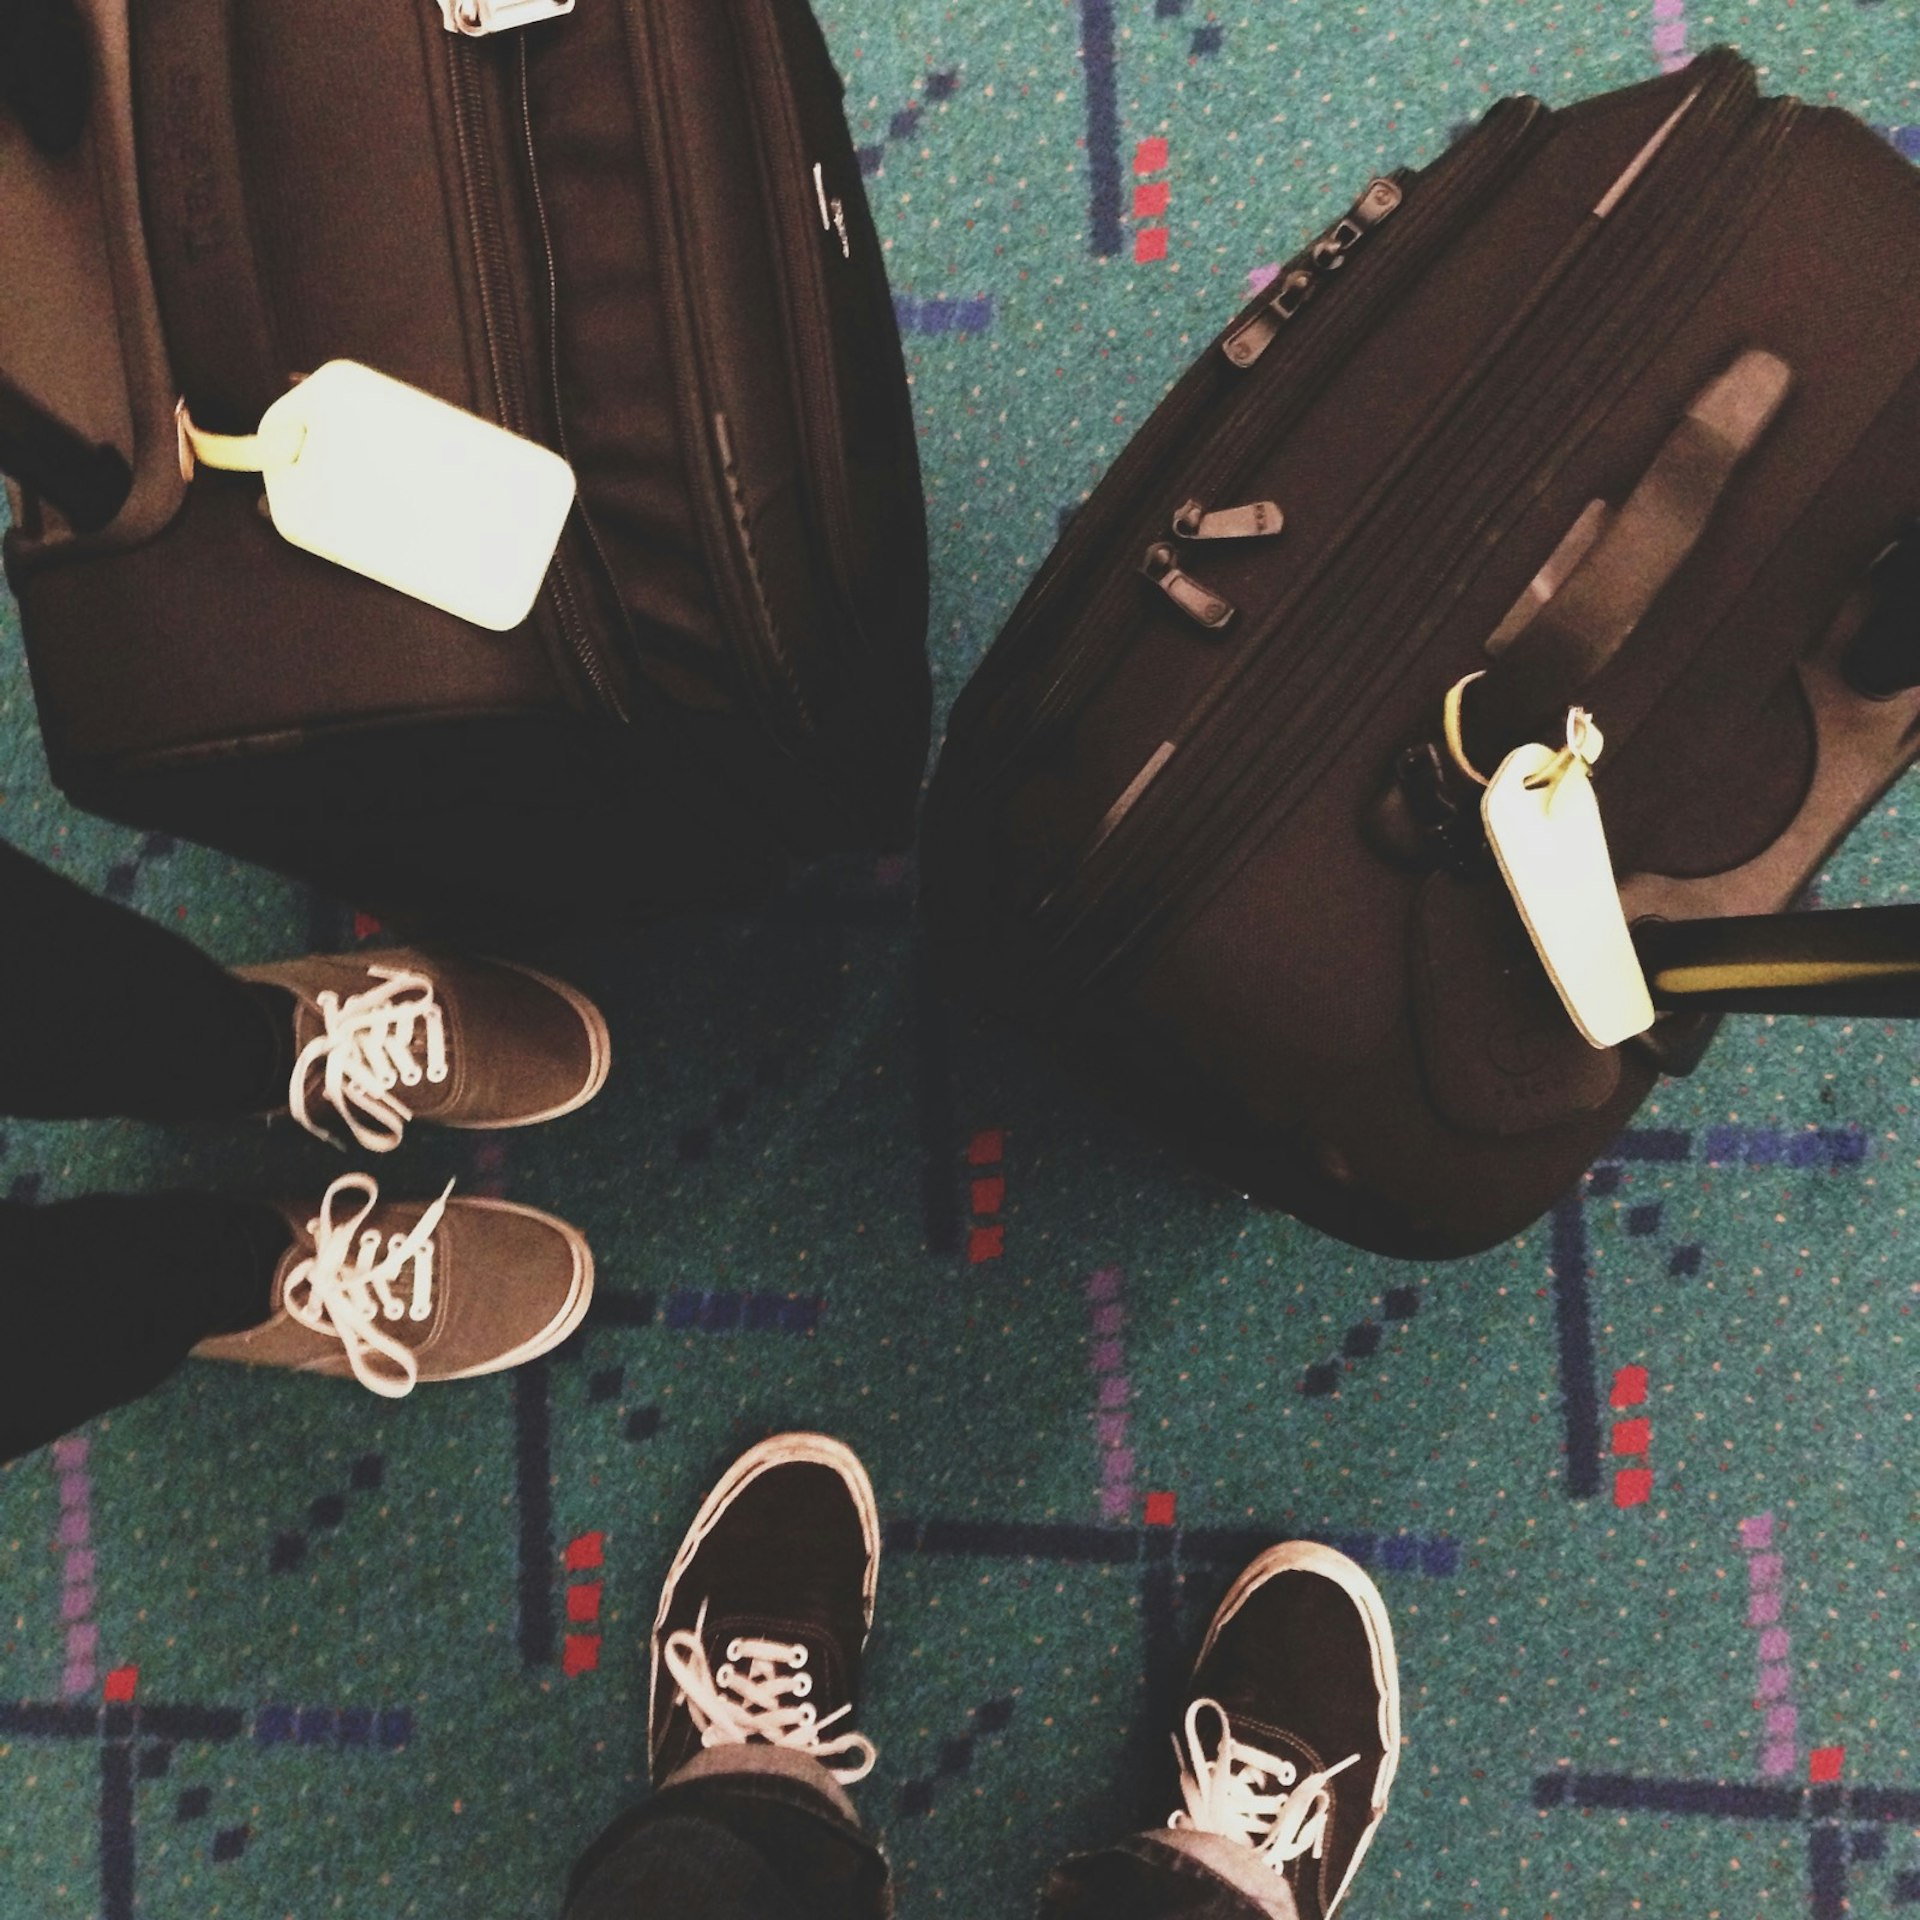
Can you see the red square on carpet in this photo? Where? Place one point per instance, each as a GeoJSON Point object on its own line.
{"type": "Point", "coordinates": [1824, 1763]}
{"type": "Point", "coordinates": [583, 1602]}
{"type": "Point", "coordinates": [585, 1550]}
{"type": "Point", "coordinates": [1150, 243]}
{"type": "Point", "coordinates": [1161, 1508]}
{"type": "Point", "coordinates": [1632, 1487]}
{"type": "Point", "coordinates": [1629, 1387]}
{"type": "Point", "coordinates": [1150, 155]}
{"type": "Point", "coordinates": [986, 1243]}
{"type": "Point", "coordinates": [986, 1148]}
{"type": "Point", "coordinates": [1632, 1436]}
{"type": "Point", "coordinates": [582, 1653]}
{"type": "Point", "coordinates": [121, 1683]}
{"type": "Point", "coordinates": [989, 1196]}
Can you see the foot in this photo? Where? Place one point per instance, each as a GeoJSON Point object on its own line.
{"type": "Point", "coordinates": [395, 1292]}
{"type": "Point", "coordinates": [384, 1038]}
{"type": "Point", "coordinates": [766, 1610]}
{"type": "Point", "coordinates": [1292, 1729]}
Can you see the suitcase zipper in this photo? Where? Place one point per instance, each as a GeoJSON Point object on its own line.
{"type": "Point", "coordinates": [1289, 377]}
{"type": "Point", "coordinates": [480, 188]}
{"type": "Point", "coordinates": [772, 680]}
{"type": "Point", "coordinates": [1167, 841]}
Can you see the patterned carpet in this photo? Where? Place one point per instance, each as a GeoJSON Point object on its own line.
{"type": "Point", "coordinates": [1640, 1487]}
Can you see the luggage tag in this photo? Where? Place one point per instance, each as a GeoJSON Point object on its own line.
{"type": "Point", "coordinates": [1543, 823]}
{"type": "Point", "coordinates": [391, 482]}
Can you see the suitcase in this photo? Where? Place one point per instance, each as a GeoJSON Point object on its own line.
{"type": "Point", "coordinates": [1612, 407]}
{"type": "Point", "coordinates": [632, 231]}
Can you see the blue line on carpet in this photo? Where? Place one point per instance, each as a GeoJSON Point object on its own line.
{"type": "Point", "coordinates": [1630, 1793]}
{"type": "Point", "coordinates": [1573, 1311]}
{"type": "Point", "coordinates": [1824, 1808]}
{"type": "Point", "coordinates": [938, 314]}
{"type": "Point", "coordinates": [116, 1831]}
{"type": "Point", "coordinates": [939, 1125]}
{"type": "Point", "coordinates": [1162, 1662]}
{"type": "Point", "coordinates": [1103, 127]}
{"type": "Point", "coordinates": [956, 1755]}
{"type": "Point", "coordinates": [533, 1468]}
{"type": "Point", "coordinates": [1827, 1872]}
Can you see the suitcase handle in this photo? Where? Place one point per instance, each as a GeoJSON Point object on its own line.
{"type": "Point", "coordinates": [1864, 962]}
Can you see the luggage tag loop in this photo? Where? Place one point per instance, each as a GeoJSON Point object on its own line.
{"type": "Point", "coordinates": [1450, 727]}
{"type": "Point", "coordinates": [1585, 743]}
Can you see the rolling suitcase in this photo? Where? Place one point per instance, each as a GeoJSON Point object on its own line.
{"type": "Point", "coordinates": [1602, 425]}
{"type": "Point", "coordinates": [631, 231]}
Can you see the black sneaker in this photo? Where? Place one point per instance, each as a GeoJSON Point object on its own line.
{"type": "Point", "coordinates": [766, 1609]}
{"type": "Point", "coordinates": [1292, 1726]}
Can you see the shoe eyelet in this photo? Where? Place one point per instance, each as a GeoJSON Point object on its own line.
{"type": "Point", "coordinates": [807, 1716]}
{"type": "Point", "coordinates": [724, 1678]}
{"type": "Point", "coordinates": [733, 1649]}
{"type": "Point", "coordinates": [797, 1658]}
{"type": "Point", "coordinates": [802, 1686]}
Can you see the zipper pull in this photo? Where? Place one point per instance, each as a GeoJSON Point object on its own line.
{"type": "Point", "coordinates": [1244, 344]}
{"type": "Point", "coordinates": [1258, 520]}
{"type": "Point", "coordinates": [1199, 603]}
{"type": "Point", "coordinates": [1331, 249]}
{"type": "Point", "coordinates": [1258, 331]}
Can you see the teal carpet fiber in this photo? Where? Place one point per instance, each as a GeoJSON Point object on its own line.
{"type": "Point", "coordinates": [1639, 1487]}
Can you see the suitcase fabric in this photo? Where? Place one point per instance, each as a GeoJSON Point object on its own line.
{"type": "Point", "coordinates": [636, 234]}
{"type": "Point", "coordinates": [1193, 823]}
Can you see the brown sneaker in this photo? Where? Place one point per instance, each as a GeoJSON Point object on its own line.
{"type": "Point", "coordinates": [401, 1291]}
{"type": "Point", "coordinates": [384, 1038]}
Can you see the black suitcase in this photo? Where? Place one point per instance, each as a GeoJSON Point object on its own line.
{"type": "Point", "coordinates": [633, 231]}
{"type": "Point", "coordinates": [1198, 820]}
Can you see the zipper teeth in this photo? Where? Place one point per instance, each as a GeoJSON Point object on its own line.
{"type": "Point", "coordinates": [1199, 808]}
{"type": "Point", "coordinates": [489, 262]}
{"type": "Point", "coordinates": [588, 657]}
{"type": "Point", "coordinates": [490, 271]}
{"type": "Point", "coordinates": [768, 673]}
{"type": "Point", "coordinates": [1285, 395]}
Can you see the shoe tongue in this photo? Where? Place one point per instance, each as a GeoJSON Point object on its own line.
{"type": "Point", "coordinates": [829, 1682]}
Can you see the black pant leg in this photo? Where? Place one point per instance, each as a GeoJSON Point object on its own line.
{"type": "Point", "coordinates": [740, 1847]}
{"type": "Point", "coordinates": [102, 1298]}
{"type": "Point", "coordinates": [1140, 1879]}
{"type": "Point", "coordinates": [103, 1011]}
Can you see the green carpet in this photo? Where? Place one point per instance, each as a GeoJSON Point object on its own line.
{"type": "Point", "coordinates": [1640, 1487]}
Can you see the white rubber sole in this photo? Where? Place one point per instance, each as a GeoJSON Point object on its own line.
{"type": "Point", "coordinates": [599, 1058]}
{"type": "Point", "coordinates": [1310, 1556]}
{"type": "Point", "coordinates": [780, 1450]}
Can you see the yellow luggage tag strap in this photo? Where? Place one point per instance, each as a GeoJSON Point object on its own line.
{"type": "Point", "coordinates": [388, 481]}
{"type": "Point", "coordinates": [1543, 822]}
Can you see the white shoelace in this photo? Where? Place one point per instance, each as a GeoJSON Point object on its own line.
{"type": "Point", "coordinates": [352, 1279]}
{"type": "Point", "coordinates": [1250, 1796]}
{"type": "Point", "coordinates": [760, 1693]}
{"type": "Point", "coordinates": [367, 1046]}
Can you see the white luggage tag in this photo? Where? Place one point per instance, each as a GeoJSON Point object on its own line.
{"type": "Point", "coordinates": [391, 482]}
{"type": "Point", "coordinates": [1543, 823]}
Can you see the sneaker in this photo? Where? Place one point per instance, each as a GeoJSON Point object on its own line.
{"type": "Point", "coordinates": [384, 1038]}
{"type": "Point", "coordinates": [1292, 1728]}
{"type": "Point", "coordinates": [395, 1292]}
{"type": "Point", "coordinates": [766, 1609]}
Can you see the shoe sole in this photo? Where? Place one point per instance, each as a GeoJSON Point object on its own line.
{"type": "Point", "coordinates": [599, 1058]}
{"type": "Point", "coordinates": [1311, 1556]}
{"type": "Point", "coordinates": [781, 1450]}
{"type": "Point", "coordinates": [579, 1298]}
